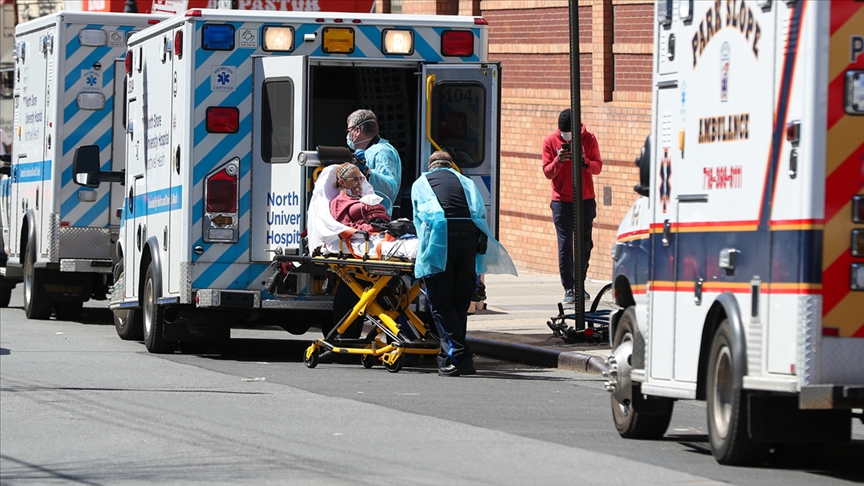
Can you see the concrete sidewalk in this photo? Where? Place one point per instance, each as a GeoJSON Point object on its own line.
{"type": "Point", "coordinates": [513, 325]}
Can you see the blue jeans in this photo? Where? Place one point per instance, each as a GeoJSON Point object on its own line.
{"type": "Point", "coordinates": [562, 216]}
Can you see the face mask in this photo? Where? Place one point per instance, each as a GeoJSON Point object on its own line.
{"type": "Point", "coordinates": [349, 141]}
{"type": "Point", "coordinates": [566, 135]}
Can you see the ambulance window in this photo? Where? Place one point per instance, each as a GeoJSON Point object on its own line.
{"type": "Point", "coordinates": [459, 122]}
{"type": "Point", "coordinates": [277, 124]}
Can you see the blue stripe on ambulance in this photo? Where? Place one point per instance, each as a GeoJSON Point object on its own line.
{"type": "Point", "coordinates": [31, 172]}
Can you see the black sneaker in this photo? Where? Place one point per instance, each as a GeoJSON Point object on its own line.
{"type": "Point", "coordinates": [449, 370]}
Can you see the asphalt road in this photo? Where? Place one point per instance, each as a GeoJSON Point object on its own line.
{"type": "Point", "coordinates": [78, 405]}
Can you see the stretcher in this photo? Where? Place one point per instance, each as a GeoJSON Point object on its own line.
{"type": "Point", "coordinates": [386, 290]}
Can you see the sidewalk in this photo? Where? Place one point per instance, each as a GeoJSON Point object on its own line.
{"type": "Point", "coordinates": [513, 325]}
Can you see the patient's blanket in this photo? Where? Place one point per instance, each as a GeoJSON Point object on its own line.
{"type": "Point", "coordinates": [324, 230]}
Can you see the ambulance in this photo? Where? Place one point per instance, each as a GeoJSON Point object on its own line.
{"type": "Point", "coordinates": [219, 106]}
{"type": "Point", "coordinates": [57, 237]}
{"type": "Point", "coordinates": [740, 270]}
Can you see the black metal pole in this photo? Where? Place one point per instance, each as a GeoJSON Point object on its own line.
{"type": "Point", "coordinates": [576, 160]}
{"type": "Point", "coordinates": [131, 6]}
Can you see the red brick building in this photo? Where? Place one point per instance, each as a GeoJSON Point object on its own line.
{"type": "Point", "coordinates": [530, 39]}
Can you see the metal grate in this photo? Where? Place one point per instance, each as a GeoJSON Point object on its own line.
{"type": "Point", "coordinates": [384, 91]}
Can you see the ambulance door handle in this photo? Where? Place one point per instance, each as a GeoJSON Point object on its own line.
{"type": "Point", "coordinates": [667, 233]}
{"type": "Point", "coordinates": [697, 291]}
{"type": "Point", "coordinates": [793, 163]}
{"type": "Point", "coordinates": [138, 238]}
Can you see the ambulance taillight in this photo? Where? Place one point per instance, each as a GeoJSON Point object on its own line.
{"type": "Point", "coordinates": [457, 43]}
{"type": "Point", "coordinates": [222, 119]}
{"type": "Point", "coordinates": [178, 44]}
{"type": "Point", "coordinates": [222, 191]}
{"type": "Point", "coordinates": [129, 63]}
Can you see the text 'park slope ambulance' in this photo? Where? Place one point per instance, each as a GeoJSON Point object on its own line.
{"type": "Point", "coordinates": [220, 104]}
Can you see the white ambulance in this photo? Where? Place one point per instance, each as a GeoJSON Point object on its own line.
{"type": "Point", "coordinates": [741, 270]}
{"type": "Point", "coordinates": [220, 103]}
{"type": "Point", "coordinates": [57, 237]}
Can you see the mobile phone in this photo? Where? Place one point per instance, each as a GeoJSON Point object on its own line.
{"type": "Point", "coordinates": [565, 147]}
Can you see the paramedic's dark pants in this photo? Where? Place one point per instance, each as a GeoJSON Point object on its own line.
{"type": "Point", "coordinates": [449, 295]}
{"type": "Point", "coordinates": [562, 216]}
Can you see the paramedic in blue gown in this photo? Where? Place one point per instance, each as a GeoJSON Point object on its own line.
{"type": "Point", "coordinates": [455, 244]}
{"type": "Point", "coordinates": [383, 170]}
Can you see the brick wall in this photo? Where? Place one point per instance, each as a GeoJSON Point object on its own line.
{"type": "Point", "coordinates": [530, 38]}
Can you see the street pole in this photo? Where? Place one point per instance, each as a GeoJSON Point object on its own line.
{"type": "Point", "coordinates": [576, 160]}
{"type": "Point", "coordinates": [131, 6]}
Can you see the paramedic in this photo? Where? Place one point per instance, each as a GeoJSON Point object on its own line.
{"type": "Point", "coordinates": [349, 208]}
{"type": "Point", "coordinates": [383, 167]}
{"type": "Point", "coordinates": [558, 168]}
{"type": "Point", "coordinates": [455, 244]}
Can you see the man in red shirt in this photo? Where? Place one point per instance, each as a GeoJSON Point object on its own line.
{"type": "Point", "coordinates": [558, 168]}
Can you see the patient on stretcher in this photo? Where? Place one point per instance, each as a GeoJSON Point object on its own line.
{"type": "Point", "coordinates": [344, 209]}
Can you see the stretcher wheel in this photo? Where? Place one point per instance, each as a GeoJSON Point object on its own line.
{"type": "Point", "coordinates": [368, 360]}
{"type": "Point", "coordinates": [310, 359]}
{"type": "Point", "coordinates": [395, 367]}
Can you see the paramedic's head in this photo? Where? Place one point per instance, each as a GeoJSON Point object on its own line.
{"type": "Point", "coordinates": [362, 128]}
{"type": "Point", "coordinates": [349, 179]}
{"type": "Point", "coordinates": [565, 125]}
{"type": "Point", "coordinates": [440, 160]}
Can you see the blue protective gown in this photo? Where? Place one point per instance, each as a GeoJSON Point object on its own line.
{"type": "Point", "coordinates": [432, 231]}
{"type": "Point", "coordinates": [385, 172]}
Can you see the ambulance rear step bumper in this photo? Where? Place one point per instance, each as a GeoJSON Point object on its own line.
{"type": "Point", "coordinates": [86, 265]}
{"type": "Point", "coordinates": [815, 397]}
{"type": "Point", "coordinates": [246, 299]}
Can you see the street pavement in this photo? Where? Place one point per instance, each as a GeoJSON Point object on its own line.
{"type": "Point", "coordinates": [513, 326]}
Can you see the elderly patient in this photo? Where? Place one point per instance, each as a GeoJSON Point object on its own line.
{"type": "Point", "coordinates": [351, 207]}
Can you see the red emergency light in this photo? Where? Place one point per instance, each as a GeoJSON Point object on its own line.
{"type": "Point", "coordinates": [129, 63]}
{"type": "Point", "coordinates": [178, 44]}
{"type": "Point", "coordinates": [458, 43]}
{"type": "Point", "coordinates": [223, 119]}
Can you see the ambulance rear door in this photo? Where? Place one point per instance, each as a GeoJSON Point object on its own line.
{"type": "Point", "coordinates": [278, 195]}
{"type": "Point", "coordinates": [459, 109]}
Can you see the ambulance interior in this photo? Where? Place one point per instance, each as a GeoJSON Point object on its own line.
{"type": "Point", "coordinates": [390, 92]}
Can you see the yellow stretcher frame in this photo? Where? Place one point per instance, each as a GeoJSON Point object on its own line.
{"type": "Point", "coordinates": [386, 342]}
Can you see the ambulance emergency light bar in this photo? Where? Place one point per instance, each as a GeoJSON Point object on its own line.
{"type": "Point", "coordinates": [278, 39]}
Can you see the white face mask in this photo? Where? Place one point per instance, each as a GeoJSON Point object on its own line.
{"type": "Point", "coordinates": [566, 135]}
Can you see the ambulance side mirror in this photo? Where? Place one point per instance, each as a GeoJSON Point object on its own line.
{"type": "Point", "coordinates": [644, 164]}
{"type": "Point", "coordinates": [86, 168]}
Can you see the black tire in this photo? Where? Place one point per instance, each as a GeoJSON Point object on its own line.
{"type": "Point", "coordinates": [310, 357]}
{"type": "Point", "coordinates": [5, 296]}
{"type": "Point", "coordinates": [154, 321]}
{"type": "Point", "coordinates": [396, 367]}
{"type": "Point", "coordinates": [727, 406]}
{"type": "Point", "coordinates": [36, 304]}
{"type": "Point", "coordinates": [634, 416]}
{"type": "Point", "coordinates": [606, 298]}
{"type": "Point", "coordinates": [127, 322]}
{"type": "Point", "coordinates": [68, 310]}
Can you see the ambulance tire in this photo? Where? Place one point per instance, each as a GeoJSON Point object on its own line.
{"type": "Point", "coordinates": [5, 295]}
{"type": "Point", "coordinates": [154, 318]}
{"type": "Point", "coordinates": [68, 310]}
{"type": "Point", "coordinates": [635, 417]}
{"type": "Point", "coordinates": [36, 304]}
{"type": "Point", "coordinates": [127, 322]}
{"type": "Point", "coordinates": [727, 406]}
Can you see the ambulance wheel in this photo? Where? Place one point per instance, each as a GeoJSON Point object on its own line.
{"type": "Point", "coordinates": [310, 358]}
{"type": "Point", "coordinates": [5, 295]}
{"type": "Point", "coordinates": [154, 321]}
{"type": "Point", "coordinates": [68, 311]}
{"type": "Point", "coordinates": [727, 406]}
{"type": "Point", "coordinates": [36, 305]}
{"type": "Point", "coordinates": [635, 417]}
{"type": "Point", "coordinates": [127, 322]}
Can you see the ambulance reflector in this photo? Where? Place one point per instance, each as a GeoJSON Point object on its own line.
{"type": "Point", "coordinates": [830, 331]}
{"type": "Point", "coordinates": [193, 13]}
{"type": "Point", "coordinates": [457, 43]}
{"type": "Point", "coordinates": [480, 21]}
{"type": "Point", "coordinates": [223, 119]}
{"type": "Point", "coordinates": [793, 132]}
{"type": "Point", "coordinates": [129, 63]}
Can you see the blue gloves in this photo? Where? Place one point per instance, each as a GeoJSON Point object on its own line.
{"type": "Point", "coordinates": [360, 154]}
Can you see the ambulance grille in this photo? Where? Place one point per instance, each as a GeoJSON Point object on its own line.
{"type": "Point", "coordinates": [384, 92]}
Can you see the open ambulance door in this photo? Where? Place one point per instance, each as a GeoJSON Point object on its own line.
{"type": "Point", "coordinates": [278, 192]}
{"type": "Point", "coordinates": [460, 106]}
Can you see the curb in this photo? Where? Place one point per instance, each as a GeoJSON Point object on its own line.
{"type": "Point", "coordinates": [537, 356]}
